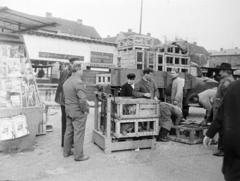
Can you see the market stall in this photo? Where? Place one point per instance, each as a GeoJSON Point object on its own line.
{"type": "Point", "coordinates": [20, 104]}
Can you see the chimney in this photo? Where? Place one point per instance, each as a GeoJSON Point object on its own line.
{"type": "Point", "coordinates": [79, 21]}
{"type": "Point", "coordinates": [108, 36]}
{"type": "Point", "coordinates": [236, 47]}
{"type": "Point", "coordinates": [221, 49]}
{"type": "Point", "coordinates": [195, 43]}
{"type": "Point", "coordinates": [149, 34]}
{"type": "Point", "coordinates": [129, 30]}
{"type": "Point", "coordinates": [48, 15]}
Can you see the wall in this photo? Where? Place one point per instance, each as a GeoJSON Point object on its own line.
{"type": "Point", "coordinates": [36, 44]}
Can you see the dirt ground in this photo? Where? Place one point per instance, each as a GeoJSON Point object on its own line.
{"type": "Point", "coordinates": [170, 161]}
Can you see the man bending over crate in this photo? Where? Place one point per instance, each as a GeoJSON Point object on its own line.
{"type": "Point", "coordinates": [169, 114]}
{"type": "Point", "coordinates": [146, 86]}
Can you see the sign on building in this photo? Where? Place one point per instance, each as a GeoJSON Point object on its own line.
{"type": "Point", "coordinates": [99, 57]}
{"type": "Point", "coordinates": [59, 56]}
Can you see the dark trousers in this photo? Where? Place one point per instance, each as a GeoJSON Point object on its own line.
{"type": "Point", "coordinates": [162, 133]}
{"type": "Point", "coordinates": [64, 121]}
{"type": "Point", "coordinates": [220, 141]}
{"type": "Point", "coordinates": [75, 131]}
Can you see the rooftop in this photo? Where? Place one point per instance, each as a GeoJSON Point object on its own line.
{"type": "Point", "coordinates": [130, 33]}
{"type": "Point", "coordinates": [194, 48]}
{"type": "Point", "coordinates": [74, 28]}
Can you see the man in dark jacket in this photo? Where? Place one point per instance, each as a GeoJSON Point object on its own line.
{"type": "Point", "coordinates": [59, 98]}
{"type": "Point", "coordinates": [228, 120]}
{"type": "Point", "coordinates": [127, 88]}
{"type": "Point", "coordinates": [146, 86]}
{"type": "Point", "coordinates": [77, 110]}
{"type": "Point", "coordinates": [226, 79]}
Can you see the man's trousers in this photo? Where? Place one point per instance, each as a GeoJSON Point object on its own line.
{"type": "Point", "coordinates": [75, 130]}
{"type": "Point", "coordinates": [64, 121]}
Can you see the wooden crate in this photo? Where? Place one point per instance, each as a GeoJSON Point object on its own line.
{"type": "Point", "coordinates": [45, 125]}
{"type": "Point", "coordinates": [124, 128]}
{"type": "Point", "coordinates": [190, 134]}
{"type": "Point", "coordinates": [102, 130]}
{"type": "Point", "coordinates": [126, 107]}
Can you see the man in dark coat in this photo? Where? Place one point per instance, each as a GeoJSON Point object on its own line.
{"type": "Point", "coordinates": [226, 79]}
{"type": "Point", "coordinates": [146, 86]}
{"type": "Point", "coordinates": [127, 88]}
{"type": "Point", "coordinates": [228, 120]}
{"type": "Point", "coordinates": [59, 97]}
{"type": "Point", "coordinates": [77, 110]}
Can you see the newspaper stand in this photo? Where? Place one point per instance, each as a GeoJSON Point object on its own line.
{"type": "Point", "coordinates": [20, 104]}
{"type": "Point", "coordinates": [108, 125]}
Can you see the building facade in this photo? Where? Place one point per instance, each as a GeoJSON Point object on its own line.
{"type": "Point", "coordinates": [231, 56]}
{"type": "Point", "coordinates": [48, 47]}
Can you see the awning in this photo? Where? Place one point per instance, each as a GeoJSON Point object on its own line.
{"type": "Point", "coordinates": [17, 22]}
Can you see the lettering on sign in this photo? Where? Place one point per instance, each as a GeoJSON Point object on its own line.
{"type": "Point", "coordinates": [59, 56]}
{"type": "Point", "coordinates": [99, 57]}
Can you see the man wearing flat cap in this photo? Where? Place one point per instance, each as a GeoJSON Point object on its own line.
{"type": "Point", "coordinates": [226, 79]}
{"type": "Point", "coordinates": [127, 88]}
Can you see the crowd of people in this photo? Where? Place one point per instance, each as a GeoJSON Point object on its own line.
{"type": "Point", "coordinates": [221, 105]}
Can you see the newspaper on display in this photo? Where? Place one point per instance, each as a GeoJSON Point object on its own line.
{"type": "Point", "coordinates": [13, 127]}
{"type": "Point", "coordinates": [17, 83]}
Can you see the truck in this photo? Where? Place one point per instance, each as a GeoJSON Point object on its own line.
{"type": "Point", "coordinates": [138, 52]}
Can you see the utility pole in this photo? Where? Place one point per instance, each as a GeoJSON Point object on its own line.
{"type": "Point", "coordinates": [140, 29]}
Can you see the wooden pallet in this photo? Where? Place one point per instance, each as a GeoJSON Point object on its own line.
{"type": "Point", "coordinates": [109, 145]}
{"type": "Point", "coordinates": [189, 134]}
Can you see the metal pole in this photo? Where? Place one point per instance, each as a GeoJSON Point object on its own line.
{"type": "Point", "coordinates": [140, 29]}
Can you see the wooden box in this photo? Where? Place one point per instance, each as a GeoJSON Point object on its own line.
{"type": "Point", "coordinates": [125, 108]}
{"type": "Point", "coordinates": [102, 132]}
{"type": "Point", "coordinates": [190, 134]}
{"type": "Point", "coordinates": [124, 128]}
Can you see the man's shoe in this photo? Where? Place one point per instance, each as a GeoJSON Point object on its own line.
{"type": "Point", "coordinates": [67, 154]}
{"type": "Point", "coordinates": [220, 153]}
{"type": "Point", "coordinates": [83, 158]}
{"type": "Point", "coordinates": [162, 139]}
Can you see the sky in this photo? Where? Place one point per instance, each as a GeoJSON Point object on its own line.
{"type": "Point", "coordinates": [213, 24]}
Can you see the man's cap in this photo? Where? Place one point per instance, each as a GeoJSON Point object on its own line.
{"type": "Point", "coordinates": [131, 76]}
{"type": "Point", "coordinates": [73, 59]}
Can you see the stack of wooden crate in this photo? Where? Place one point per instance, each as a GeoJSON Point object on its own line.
{"type": "Point", "coordinates": [125, 123]}
{"type": "Point", "coordinates": [134, 117]}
